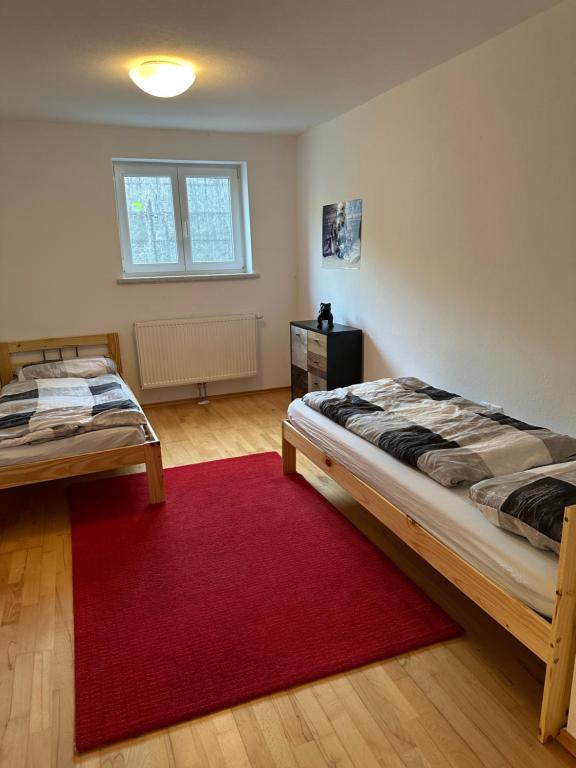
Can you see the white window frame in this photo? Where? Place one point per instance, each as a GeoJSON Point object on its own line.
{"type": "Point", "coordinates": [178, 171]}
{"type": "Point", "coordinates": [233, 175]}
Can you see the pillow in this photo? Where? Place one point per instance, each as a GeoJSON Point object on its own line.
{"type": "Point", "coordinates": [77, 367]}
{"type": "Point", "coordinates": [531, 503]}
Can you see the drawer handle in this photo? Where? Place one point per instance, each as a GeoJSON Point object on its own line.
{"type": "Point", "coordinates": [328, 461]}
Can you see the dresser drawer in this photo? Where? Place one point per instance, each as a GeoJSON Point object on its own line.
{"type": "Point", "coordinates": [316, 383]}
{"type": "Point", "coordinates": [299, 344]}
{"type": "Point", "coordinates": [299, 382]}
{"type": "Point", "coordinates": [317, 363]}
{"type": "Point", "coordinates": [317, 343]}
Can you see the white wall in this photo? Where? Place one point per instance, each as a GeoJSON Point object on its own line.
{"type": "Point", "coordinates": [468, 176]}
{"type": "Point", "coordinates": [59, 248]}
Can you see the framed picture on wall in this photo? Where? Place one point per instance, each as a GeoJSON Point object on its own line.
{"type": "Point", "coordinates": [342, 235]}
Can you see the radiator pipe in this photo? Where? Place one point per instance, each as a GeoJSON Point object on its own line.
{"type": "Point", "coordinates": [203, 393]}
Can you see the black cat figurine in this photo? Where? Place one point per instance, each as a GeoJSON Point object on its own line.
{"type": "Point", "coordinates": [326, 314]}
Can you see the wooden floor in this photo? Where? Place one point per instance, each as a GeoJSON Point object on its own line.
{"type": "Point", "coordinates": [468, 703]}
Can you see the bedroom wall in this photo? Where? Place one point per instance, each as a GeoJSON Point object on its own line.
{"type": "Point", "coordinates": [60, 254]}
{"type": "Point", "coordinates": [468, 176]}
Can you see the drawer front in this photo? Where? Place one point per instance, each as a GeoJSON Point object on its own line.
{"type": "Point", "coordinates": [316, 383]}
{"type": "Point", "coordinates": [299, 344]}
{"type": "Point", "coordinates": [317, 353]}
{"type": "Point", "coordinates": [317, 343]}
{"type": "Point", "coordinates": [299, 382]}
{"type": "Point", "coordinates": [298, 393]}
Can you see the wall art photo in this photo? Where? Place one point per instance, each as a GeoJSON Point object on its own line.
{"type": "Point", "coordinates": [342, 234]}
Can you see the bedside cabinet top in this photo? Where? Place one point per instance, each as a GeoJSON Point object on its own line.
{"type": "Point", "coordinates": [312, 325]}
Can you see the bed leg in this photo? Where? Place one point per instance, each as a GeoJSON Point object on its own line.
{"type": "Point", "coordinates": [288, 456]}
{"type": "Point", "coordinates": [154, 472]}
{"type": "Point", "coordinates": [560, 665]}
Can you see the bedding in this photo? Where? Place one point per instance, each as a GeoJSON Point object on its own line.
{"type": "Point", "coordinates": [85, 442]}
{"type": "Point", "coordinates": [40, 410]}
{"type": "Point", "coordinates": [530, 504]}
{"type": "Point", "coordinates": [453, 440]}
{"type": "Point", "coordinates": [79, 367]}
{"type": "Point", "coordinates": [448, 513]}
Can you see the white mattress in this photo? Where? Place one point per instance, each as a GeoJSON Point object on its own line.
{"type": "Point", "coordinates": [99, 440]}
{"type": "Point", "coordinates": [449, 514]}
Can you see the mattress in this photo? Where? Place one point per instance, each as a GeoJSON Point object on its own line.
{"type": "Point", "coordinates": [99, 440]}
{"type": "Point", "coordinates": [448, 513]}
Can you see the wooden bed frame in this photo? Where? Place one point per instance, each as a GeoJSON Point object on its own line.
{"type": "Point", "coordinates": [552, 641]}
{"type": "Point", "coordinates": [147, 453]}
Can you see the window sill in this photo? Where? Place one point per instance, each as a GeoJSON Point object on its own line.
{"type": "Point", "coordinates": [186, 278]}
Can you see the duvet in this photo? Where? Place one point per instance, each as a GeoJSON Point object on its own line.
{"type": "Point", "coordinates": [453, 440]}
{"type": "Point", "coordinates": [46, 409]}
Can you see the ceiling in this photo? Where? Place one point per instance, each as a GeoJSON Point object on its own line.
{"type": "Point", "coordinates": [263, 65]}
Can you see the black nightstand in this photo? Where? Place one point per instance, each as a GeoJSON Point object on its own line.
{"type": "Point", "coordinates": [324, 359]}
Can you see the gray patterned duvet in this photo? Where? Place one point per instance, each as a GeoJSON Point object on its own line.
{"type": "Point", "coordinates": [39, 410]}
{"type": "Point", "coordinates": [453, 440]}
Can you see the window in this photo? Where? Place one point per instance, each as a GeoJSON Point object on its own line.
{"type": "Point", "coordinates": [182, 218]}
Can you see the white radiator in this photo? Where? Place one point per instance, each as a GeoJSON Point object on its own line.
{"type": "Point", "coordinates": [192, 350]}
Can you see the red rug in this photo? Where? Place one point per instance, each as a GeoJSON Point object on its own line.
{"type": "Point", "coordinates": [245, 582]}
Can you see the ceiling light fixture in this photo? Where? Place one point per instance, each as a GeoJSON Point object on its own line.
{"type": "Point", "coordinates": [163, 78]}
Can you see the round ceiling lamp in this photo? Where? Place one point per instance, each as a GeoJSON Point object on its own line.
{"type": "Point", "coordinates": [163, 78]}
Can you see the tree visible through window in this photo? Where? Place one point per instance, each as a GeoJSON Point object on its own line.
{"type": "Point", "coordinates": [210, 216]}
{"type": "Point", "coordinates": [180, 218]}
{"type": "Point", "coordinates": [151, 221]}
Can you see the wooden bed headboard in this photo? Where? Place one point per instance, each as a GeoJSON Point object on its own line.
{"type": "Point", "coordinates": [109, 341]}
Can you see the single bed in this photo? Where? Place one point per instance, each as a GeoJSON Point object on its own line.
{"type": "Point", "coordinates": [447, 513]}
{"type": "Point", "coordinates": [96, 451]}
{"type": "Point", "coordinates": [530, 592]}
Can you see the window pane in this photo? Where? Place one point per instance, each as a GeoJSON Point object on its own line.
{"type": "Point", "coordinates": [151, 224]}
{"type": "Point", "coordinates": [210, 219]}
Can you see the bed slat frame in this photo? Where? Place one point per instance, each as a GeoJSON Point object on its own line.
{"type": "Point", "coordinates": [148, 453]}
{"type": "Point", "coordinates": [554, 642]}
